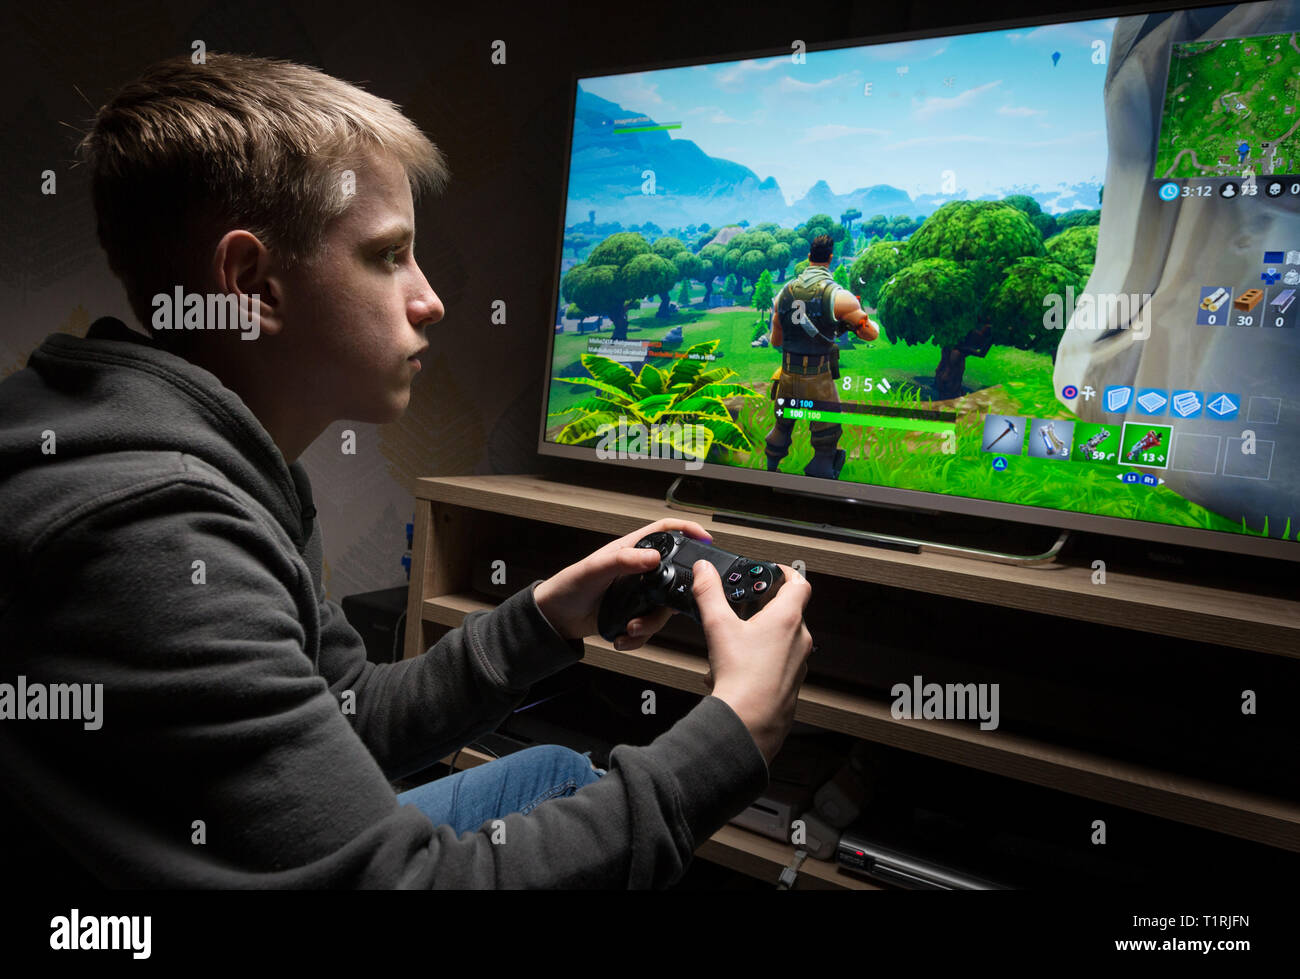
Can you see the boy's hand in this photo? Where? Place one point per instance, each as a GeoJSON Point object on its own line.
{"type": "Point", "coordinates": [571, 599]}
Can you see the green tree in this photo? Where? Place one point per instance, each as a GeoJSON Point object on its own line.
{"type": "Point", "coordinates": [1077, 219]}
{"type": "Point", "coordinates": [1018, 308]}
{"type": "Point", "coordinates": [651, 275]}
{"type": "Point", "coordinates": [576, 312]}
{"type": "Point", "coordinates": [764, 293]}
{"type": "Point", "coordinates": [978, 239]}
{"type": "Point", "coordinates": [751, 265]}
{"type": "Point", "coordinates": [876, 225]}
{"type": "Point", "coordinates": [671, 249]}
{"type": "Point", "coordinates": [820, 224]}
{"type": "Point", "coordinates": [841, 275]}
{"type": "Point", "coordinates": [619, 270]}
{"type": "Point", "coordinates": [876, 264]}
{"type": "Point", "coordinates": [1075, 248]}
{"type": "Point", "coordinates": [1044, 222]}
{"type": "Point", "coordinates": [684, 294]}
{"type": "Point", "coordinates": [712, 264]}
{"type": "Point", "coordinates": [928, 301]}
{"type": "Point", "coordinates": [577, 241]}
{"type": "Point", "coordinates": [778, 257]}
{"type": "Point", "coordinates": [689, 266]}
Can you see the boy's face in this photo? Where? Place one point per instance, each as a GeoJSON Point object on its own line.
{"type": "Point", "coordinates": [355, 315]}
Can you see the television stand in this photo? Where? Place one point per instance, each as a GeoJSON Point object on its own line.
{"type": "Point", "coordinates": [466, 525]}
{"type": "Point", "coordinates": [709, 504]}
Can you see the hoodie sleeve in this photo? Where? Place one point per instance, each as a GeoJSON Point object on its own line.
{"type": "Point", "coordinates": [413, 712]}
{"type": "Point", "coordinates": [221, 758]}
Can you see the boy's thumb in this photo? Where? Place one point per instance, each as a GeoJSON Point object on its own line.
{"type": "Point", "coordinates": [707, 589]}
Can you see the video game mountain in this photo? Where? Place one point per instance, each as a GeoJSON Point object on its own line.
{"type": "Point", "coordinates": [690, 186]}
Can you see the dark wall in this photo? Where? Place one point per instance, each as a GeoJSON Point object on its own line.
{"type": "Point", "coordinates": [491, 236]}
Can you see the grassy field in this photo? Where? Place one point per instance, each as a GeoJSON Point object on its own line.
{"type": "Point", "coordinates": [1007, 381]}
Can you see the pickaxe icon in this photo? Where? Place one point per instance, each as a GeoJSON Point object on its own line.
{"type": "Point", "coordinates": [1011, 427]}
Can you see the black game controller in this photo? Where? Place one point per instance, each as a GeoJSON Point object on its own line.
{"type": "Point", "coordinates": [748, 584]}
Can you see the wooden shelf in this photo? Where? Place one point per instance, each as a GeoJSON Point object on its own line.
{"type": "Point", "coordinates": [1248, 815]}
{"type": "Point", "coordinates": [741, 850]}
{"type": "Point", "coordinates": [448, 510]}
{"type": "Point", "coordinates": [1215, 613]}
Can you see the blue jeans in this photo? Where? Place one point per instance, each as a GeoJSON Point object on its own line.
{"type": "Point", "coordinates": [516, 783]}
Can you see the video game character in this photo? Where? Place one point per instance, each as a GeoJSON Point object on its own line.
{"type": "Point", "coordinates": [808, 314]}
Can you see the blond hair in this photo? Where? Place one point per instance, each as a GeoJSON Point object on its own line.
{"type": "Point", "coordinates": [188, 151]}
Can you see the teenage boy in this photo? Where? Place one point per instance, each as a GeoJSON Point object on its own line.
{"type": "Point", "coordinates": [161, 592]}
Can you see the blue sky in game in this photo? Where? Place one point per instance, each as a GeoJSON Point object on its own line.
{"type": "Point", "coordinates": [994, 108]}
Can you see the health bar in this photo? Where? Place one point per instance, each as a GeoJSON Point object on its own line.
{"type": "Point", "coordinates": [619, 130]}
{"type": "Point", "coordinates": [856, 418]}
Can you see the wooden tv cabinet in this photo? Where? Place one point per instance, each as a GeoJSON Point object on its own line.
{"type": "Point", "coordinates": [448, 508]}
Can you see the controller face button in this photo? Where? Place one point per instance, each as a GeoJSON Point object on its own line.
{"type": "Point", "coordinates": [734, 576]}
{"type": "Point", "coordinates": [737, 594]}
{"type": "Point", "coordinates": [756, 570]}
{"type": "Point", "coordinates": [759, 587]}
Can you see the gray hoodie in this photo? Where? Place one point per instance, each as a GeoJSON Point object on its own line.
{"type": "Point", "coordinates": [219, 755]}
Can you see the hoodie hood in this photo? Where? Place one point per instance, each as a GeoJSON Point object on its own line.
{"type": "Point", "coordinates": [89, 417]}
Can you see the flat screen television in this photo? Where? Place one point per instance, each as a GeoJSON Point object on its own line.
{"type": "Point", "coordinates": [1079, 243]}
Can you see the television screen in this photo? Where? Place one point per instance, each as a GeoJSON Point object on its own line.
{"type": "Point", "coordinates": [1045, 273]}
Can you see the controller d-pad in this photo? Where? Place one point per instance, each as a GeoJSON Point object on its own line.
{"type": "Point", "coordinates": [660, 541]}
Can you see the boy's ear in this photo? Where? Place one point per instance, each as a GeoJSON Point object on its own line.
{"type": "Point", "coordinates": [242, 265]}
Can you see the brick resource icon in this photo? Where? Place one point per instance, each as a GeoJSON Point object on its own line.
{"type": "Point", "coordinates": [1248, 300]}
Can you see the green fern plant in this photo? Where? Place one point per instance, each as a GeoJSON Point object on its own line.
{"type": "Point", "coordinates": [688, 396]}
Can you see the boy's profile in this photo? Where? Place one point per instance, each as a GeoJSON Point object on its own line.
{"type": "Point", "coordinates": [159, 547]}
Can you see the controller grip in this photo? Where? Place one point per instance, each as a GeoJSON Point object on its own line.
{"type": "Point", "coordinates": [623, 602]}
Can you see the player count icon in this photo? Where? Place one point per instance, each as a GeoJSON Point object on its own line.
{"type": "Point", "coordinates": [1152, 401]}
{"type": "Point", "coordinates": [1117, 398]}
{"type": "Point", "coordinates": [1186, 404]}
{"type": "Point", "coordinates": [1222, 406]}
{"type": "Point", "coordinates": [1229, 189]}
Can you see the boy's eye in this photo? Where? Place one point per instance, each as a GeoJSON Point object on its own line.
{"type": "Point", "coordinates": [393, 252]}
